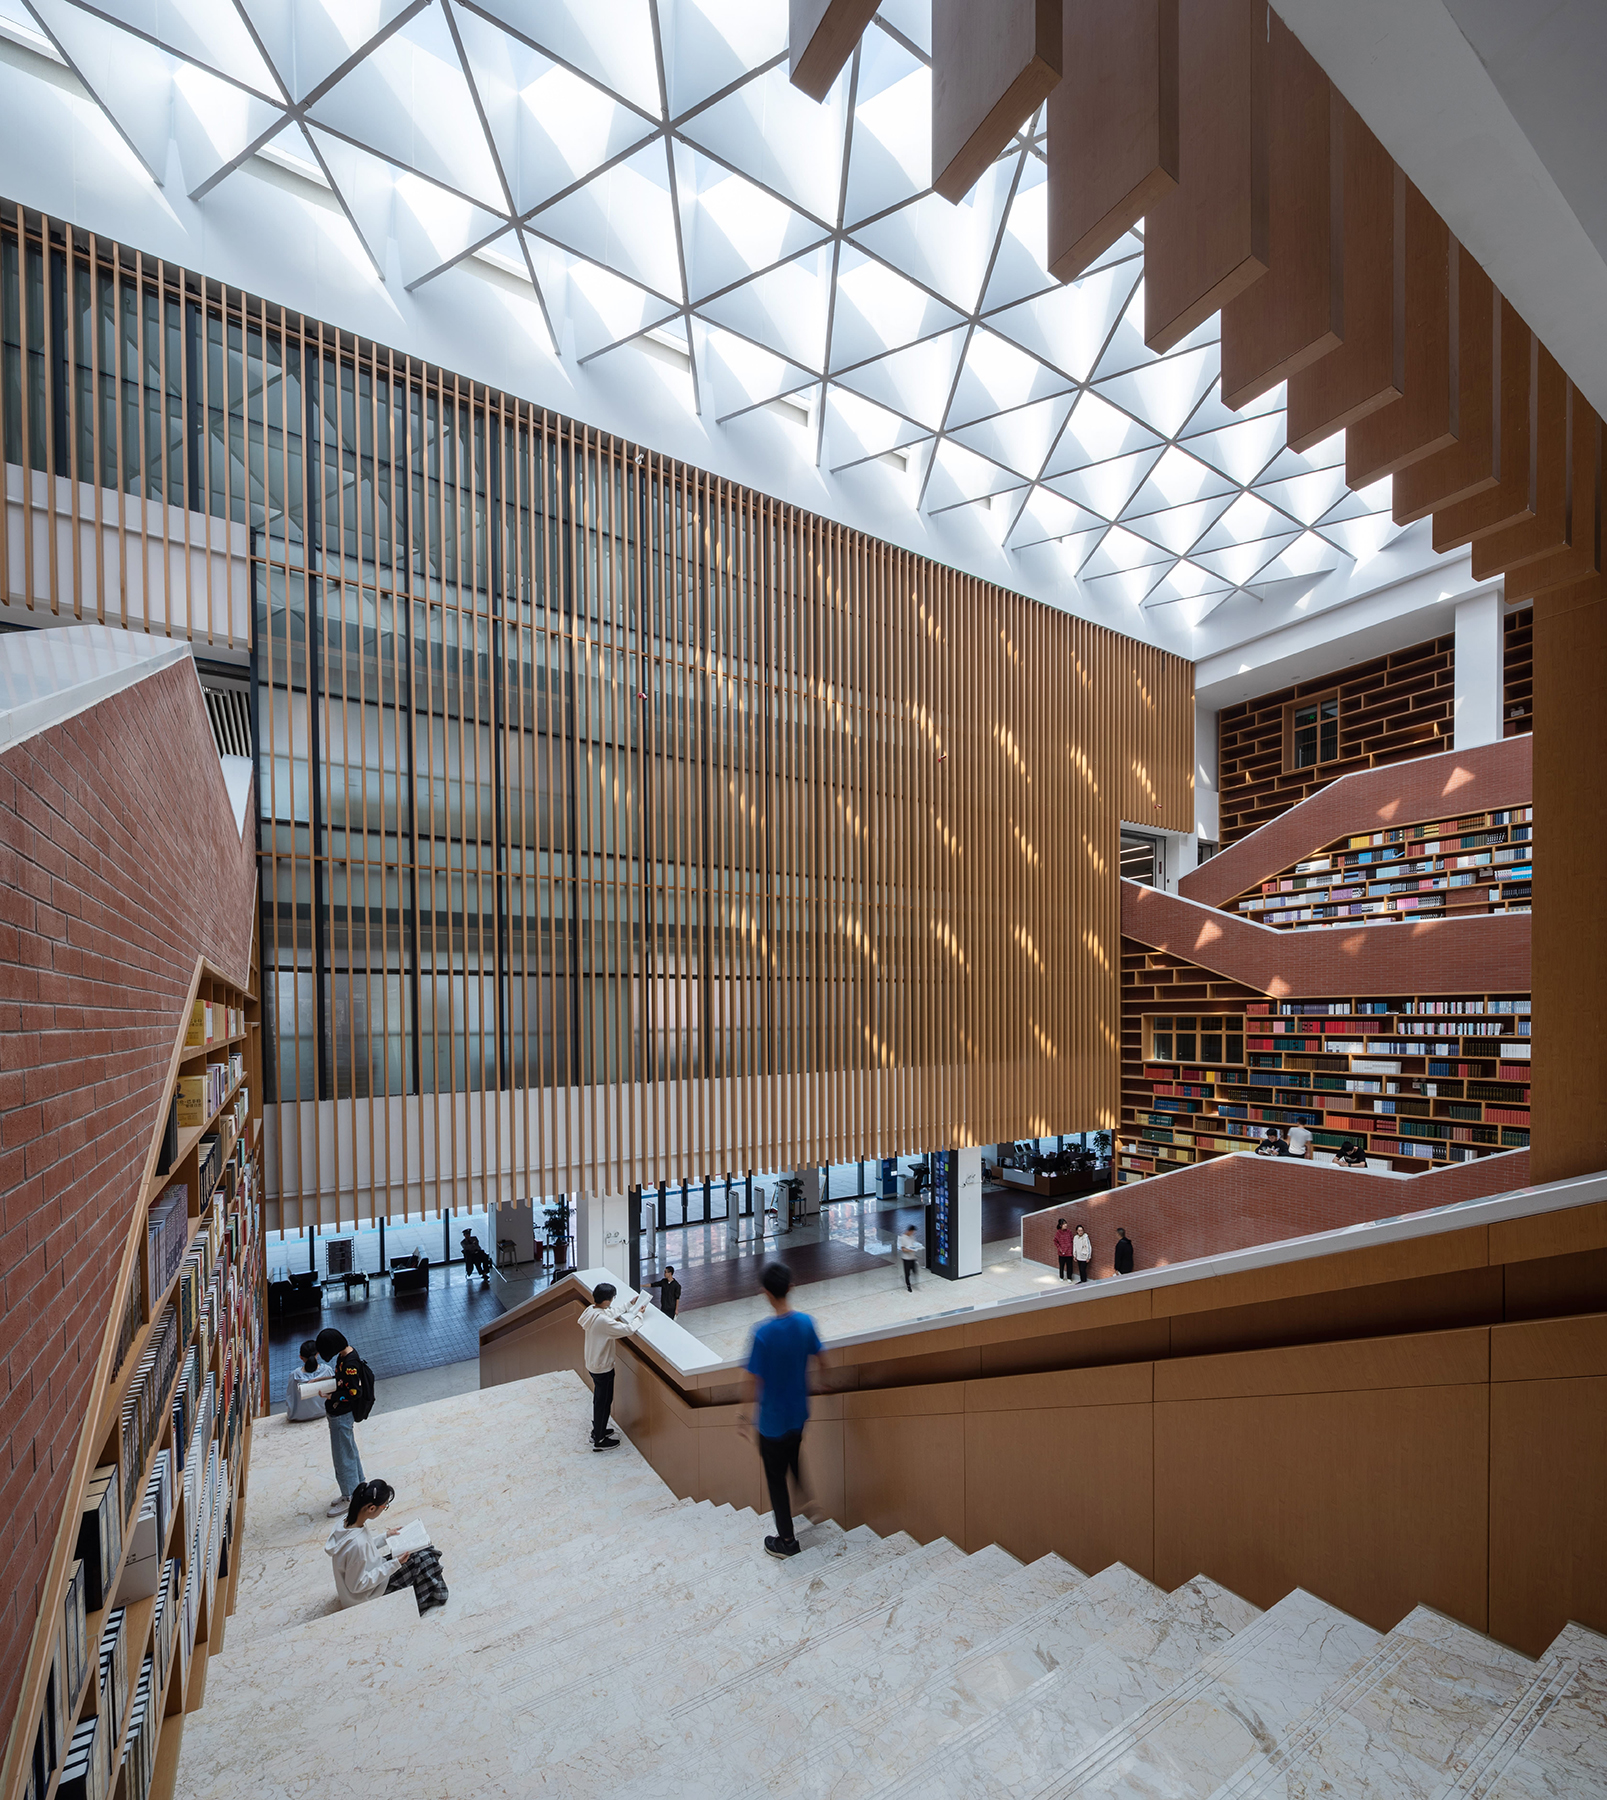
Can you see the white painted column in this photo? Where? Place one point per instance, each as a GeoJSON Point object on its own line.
{"type": "Point", "coordinates": [1477, 716]}
{"type": "Point", "coordinates": [602, 1234]}
{"type": "Point", "coordinates": [968, 1211]}
{"type": "Point", "coordinates": [1207, 801]}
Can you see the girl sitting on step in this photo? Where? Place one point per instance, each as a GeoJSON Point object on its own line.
{"type": "Point", "coordinates": [365, 1569]}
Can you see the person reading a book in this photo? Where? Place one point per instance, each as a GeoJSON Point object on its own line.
{"type": "Point", "coordinates": [304, 1396]}
{"type": "Point", "coordinates": [367, 1566]}
{"type": "Point", "coordinates": [1353, 1155]}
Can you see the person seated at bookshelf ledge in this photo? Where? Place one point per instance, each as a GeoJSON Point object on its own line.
{"type": "Point", "coordinates": [365, 1568]}
{"type": "Point", "coordinates": [1272, 1144]}
{"type": "Point", "coordinates": [1352, 1154]}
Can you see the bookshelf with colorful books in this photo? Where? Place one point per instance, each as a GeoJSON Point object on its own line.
{"type": "Point", "coordinates": [142, 1602]}
{"type": "Point", "coordinates": [1438, 868]}
{"type": "Point", "coordinates": [1421, 1080]}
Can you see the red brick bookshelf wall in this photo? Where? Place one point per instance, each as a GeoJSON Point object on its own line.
{"type": "Point", "coordinates": [1390, 710]}
{"type": "Point", "coordinates": [120, 863]}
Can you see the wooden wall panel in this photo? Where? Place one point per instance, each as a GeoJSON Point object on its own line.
{"type": "Point", "coordinates": [1368, 370]}
{"type": "Point", "coordinates": [1206, 240]}
{"type": "Point", "coordinates": [992, 68]}
{"type": "Point", "coordinates": [1295, 313]}
{"type": "Point", "coordinates": [1515, 498]}
{"type": "Point", "coordinates": [1425, 418]}
{"type": "Point", "coordinates": [1472, 465]}
{"type": "Point", "coordinates": [1580, 557]}
{"type": "Point", "coordinates": [1113, 134]}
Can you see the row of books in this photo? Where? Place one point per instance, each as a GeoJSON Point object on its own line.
{"type": "Point", "coordinates": [144, 1405]}
{"type": "Point", "coordinates": [100, 1534]}
{"type": "Point", "coordinates": [87, 1772]}
{"type": "Point", "coordinates": [212, 1022]}
{"type": "Point", "coordinates": [130, 1317]}
{"type": "Point", "coordinates": [142, 1571]}
{"type": "Point", "coordinates": [167, 1231]}
{"type": "Point", "coordinates": [1405, 1008]}
{"type": "Point", "coordinates": [64, 1684]}
{"type": "Point", "coordinates": [139, 1747]}
{"type": "Point", "coordinates": [114, 1668]}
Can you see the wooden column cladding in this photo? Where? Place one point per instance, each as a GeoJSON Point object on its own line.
{"type": "Point", "coordinates": [992, 67]}
{"type": "Point", "coordinates": [1580, 554]}
{"type": "Point", "coordinates": [1570, 950]}
{"type": "Point", "coordinates": [1207, 239]}
{"type": "Point", "coordinates": [1472, 465]}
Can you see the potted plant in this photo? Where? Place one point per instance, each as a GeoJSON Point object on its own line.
{"type": "Point", "coordinates": [557, 1217]}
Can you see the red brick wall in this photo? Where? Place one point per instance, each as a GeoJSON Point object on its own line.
{"type": "Point", "coordinates": [120, 863]}
{"type": "Point", "coordinates": [1432, 787]}
{"type": "Point", "coordinates": [1236, 1202]}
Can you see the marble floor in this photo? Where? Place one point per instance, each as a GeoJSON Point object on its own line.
{"type": "Point", "coordinates": [872, 1298]}
{"type": "Point", "coordinates": [606, 1641]}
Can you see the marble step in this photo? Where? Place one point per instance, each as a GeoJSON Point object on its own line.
{"type": "Point", "coordinates": [643, 1606]}
{"type": "Point", "coordinates": [1139, 1645]}
{"type": "Point", "coordinates": [615, 1725]}
{"type": "Point", "coordinates": [1402, 1724]}
{"type": "Point", "coordinates": [885, 1744]}
{"type": "Point", "coordinates": [1553, 1738]}
{"type": "Point", "coordinates": [879, 1662]}
{"type": "Point", "coordinates": [1239, 1703]}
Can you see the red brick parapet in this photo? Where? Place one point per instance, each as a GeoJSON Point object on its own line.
{"type": "Point", "coordinates": [1236, 1202]}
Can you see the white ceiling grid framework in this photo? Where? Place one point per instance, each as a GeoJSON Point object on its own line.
{"type": "Point", "coordinates": [645, 175]}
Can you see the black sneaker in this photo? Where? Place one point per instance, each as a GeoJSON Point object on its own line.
{"type": "Point", "coordinates": [605, 1443]}
{"type": "Point", "coordinates": [781, 1547]}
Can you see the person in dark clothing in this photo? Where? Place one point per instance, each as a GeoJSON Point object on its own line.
{"type": "Point", "coordinates": [331, 1345]}
{"type": "Point", "coordinates": [778, 1379]}
{"type": "Point", "coordinates": [669, 1290]}
{"type": "Point", "coordinates": [1272, 1144]}
{"type": "Point", "coordinates": [1353, 1155]}
{"type": "Point", "coordinates": [1124, 1252]}
{"type": "Point", "coordinates": [475, 1260]}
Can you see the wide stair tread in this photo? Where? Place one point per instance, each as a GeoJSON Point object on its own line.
{"type": "Point", "coordinates": [1238, 1703]}
{"type": "Point", "coordinates": [1150, 1641]}
{"type": "Point", "coordinates": [1402, 1723]}
{"type": "Point", "coordinates": [1553, 1738]}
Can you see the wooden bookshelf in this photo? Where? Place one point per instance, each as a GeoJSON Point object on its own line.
{"type": "Point", "coordinates": [1517, 672]}
{"type": "Point", "coordinates": [1436, 868]}
{"type": "Point", "coordinates": [1423, 1080]}
{"type": "Point", "coordinates": [1394, 708]}
{"type": "Point", "coordinates": [213, 1299]}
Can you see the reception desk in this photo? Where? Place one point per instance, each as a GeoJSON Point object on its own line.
{"type": "Point", "coordinates": [1056, 1187]}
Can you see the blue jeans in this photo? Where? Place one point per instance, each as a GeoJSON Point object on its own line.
{"type": "Point", "coordinates": [343, 1448]}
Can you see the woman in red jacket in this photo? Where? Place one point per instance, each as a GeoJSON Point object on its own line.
{"type": "Point", "coordinates": [1063, 1236]}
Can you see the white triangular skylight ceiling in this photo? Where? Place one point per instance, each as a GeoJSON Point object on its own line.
{"type": "Point", "coordinates": [646, 176]}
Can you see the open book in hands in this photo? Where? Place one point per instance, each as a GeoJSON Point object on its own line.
{"type": "Point", "coordinates": [410, 1538]}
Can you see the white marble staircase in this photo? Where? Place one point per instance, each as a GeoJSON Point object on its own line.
{"type": "Point", "coordinates": [606, 1639]}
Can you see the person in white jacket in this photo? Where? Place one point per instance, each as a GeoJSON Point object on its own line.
{"type": "Point", "coordinates": [364, 1565]}
{"type": "Point", "coordinates": [604, 1328]}
{"type": "Point", "coordinates": [1082, 1250]}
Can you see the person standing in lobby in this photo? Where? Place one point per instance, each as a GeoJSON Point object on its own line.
{"type": "Point", "coordinates": [778, 1380]}
{"type": "Point", "coordinates": [1299, 1140]}
{"type": "Point", "coordinates": [1063, 1243]}
{"type": "Point", "coordinates": [341, 1409]}
{"type": "Point", "coordinates": [1082, 1250]}
{"type": "Point", "coordinates": [1124, 1252]}
{"type": "Point", "coordinates": [669, 1291]}
{"type": "Point", "coordinates": [603, 1329]}
{"type": "Point", "coordinates": [909, 1247]}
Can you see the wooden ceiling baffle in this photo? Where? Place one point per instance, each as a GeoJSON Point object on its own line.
{"type": "Point", "coordinates": [992, 67]}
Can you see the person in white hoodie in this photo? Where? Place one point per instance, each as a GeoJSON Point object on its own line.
{"type": "Point", "coordinates": [364, 1565]}
{"type": "Point", "coordinates": [604, 1328]}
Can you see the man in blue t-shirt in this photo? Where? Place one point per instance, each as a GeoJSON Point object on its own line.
{"type": "Point", "coordinates": [778, 1377]}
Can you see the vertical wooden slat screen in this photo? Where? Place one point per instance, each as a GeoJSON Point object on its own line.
{"type": "Point", "coordinates": [618, 824]}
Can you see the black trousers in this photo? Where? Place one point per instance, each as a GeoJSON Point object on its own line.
{"type": "Point", "coordinates": [780, 1458]}
{"type": "Point", "coordinates": [1082, 1271]}
{"type": "Point", "coordinates": [909, 1274]}
{"type": "Point", "coordinates": [422, 1573]}
{"type": "Point", "coordinates": [602, 1402]}
{"type": "Point", "coordinates": [1065, 1268]}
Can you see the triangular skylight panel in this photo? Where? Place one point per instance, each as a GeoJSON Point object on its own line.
{"type": "Point", "coordinates": [212, 36]}
{"type": "Point", "coordinates": [1067, 327]}
{"type": "Point", "coordinates": [1166, 392]}
{"type": "Point", "coordinates": [1307, 497]}
{"type": "Point", "coordinates": [1097, 431]}
{"type": "Point", "coordinates": [131, 79]}
{"type": "Point", "coordinates": [708, 44]}
{"type": "Point", "coordinates": [410, 100]}
{"type": "Point", "coordinates": [779, 138]}
{"type": "Point", "coordinates": [623, 219]}
{"type": "Point", "coordinates": [1238, 563]}
{"type": "Point", "coordinates": [1178, 528]}
{"type": "Point", "coordinates": [998, 376]}
{"type": "Point", "coordinates": [785, 308]}
{"type": "Point", "coordinates": [1239, 451]}
{"type": "Point", "coordinates": [214, 123]}
{"type": "Point", "coordinates": [308, 40]}
{"type": "Point", "coordinates": [1021, 439]}
{"type": "Point", "coordinates": [611, 45]}
{"type": "Point", "coordinates": [730, 227]}
{"type": "Point", "coordinates": [879, 310]}
{"type": "Point", "coordinates": [1106, 487]}
{"type": "Point", "coordinates": [1179, 479]}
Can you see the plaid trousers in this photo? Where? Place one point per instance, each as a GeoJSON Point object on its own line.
{"type": "Point", "coordinates": [422, 1573]}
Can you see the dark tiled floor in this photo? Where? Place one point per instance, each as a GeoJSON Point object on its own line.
{"type": "Point", "coordinates": [394, 1336]}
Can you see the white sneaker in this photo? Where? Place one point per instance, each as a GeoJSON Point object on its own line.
{"type": "Point", "coordinates": [338, 1505]}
